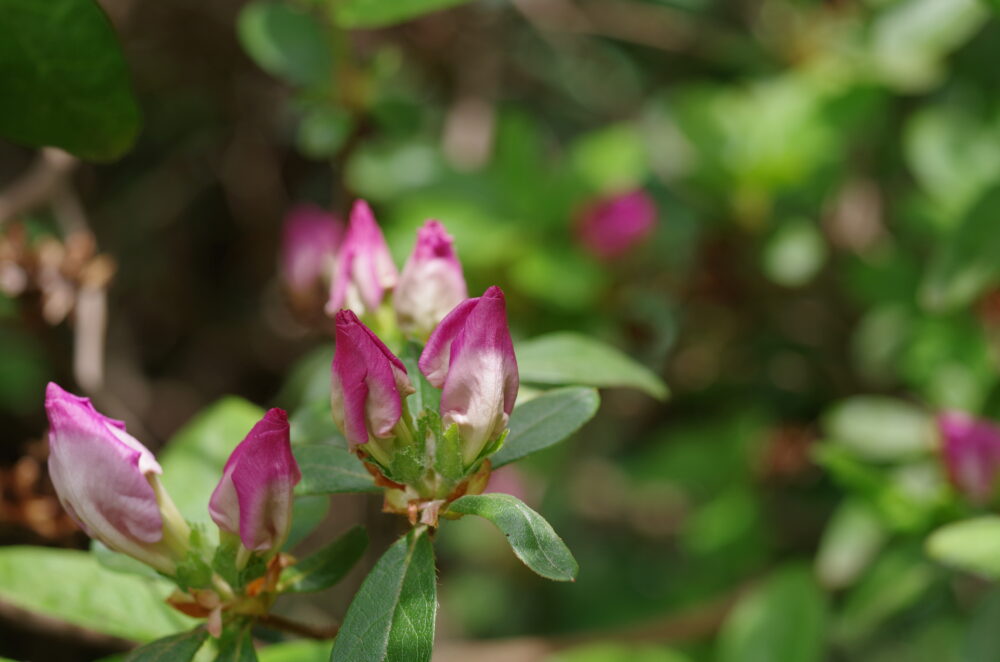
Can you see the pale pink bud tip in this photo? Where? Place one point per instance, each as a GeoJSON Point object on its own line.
{"type": "Point", "coordinates": [611, 226]}
{"type": "Point", "coordinates": [364, 268]}
{"type": "Point", "coordinates": [470, 356]}
{"type": "Point", "coordinates": [254, 497]}
{"type": "Point", "coordinates": [368, 382]}
{"type": "Point", "coordinates": [971, 450]}
{"type": "Point", "coordinates": [100, 474]}
{"type": "Point", "coordinates": [431, 283]}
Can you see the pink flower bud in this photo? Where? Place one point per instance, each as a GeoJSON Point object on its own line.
{"type": "Point", "coordinates": [364, 266]}
{"type": "Point", "coordinates": [254, 497]}
{"type": "Point", "coordinates": [309, 244]}
{"type": "Point", "coordinates": [471, 357]}
{"type": "Point", "coordinates": [971, 450]}
{"type": "Point", "coordinates": [368, 382]}
{"type": "Point", "coordinates": [431, 283]}
{"type": "Point", "coordinates": [611, 226]}
{"type": "Point", "coordinates": [107, 481]}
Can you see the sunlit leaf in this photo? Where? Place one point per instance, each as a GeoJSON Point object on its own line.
{"type": "Point", "coordinates": [972, 545]}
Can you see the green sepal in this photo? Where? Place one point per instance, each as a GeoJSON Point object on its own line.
{"type": "Point", "coordinates": [224, 560]}
{"type": "Point", "coordinates": [449, 451]}
{"type": "Point", "coordinates": [193, 571]}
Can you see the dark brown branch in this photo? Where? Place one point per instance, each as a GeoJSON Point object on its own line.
{"type": "Point", "coordinates": [276, 622]}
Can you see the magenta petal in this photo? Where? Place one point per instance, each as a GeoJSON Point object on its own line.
{"type": "Point", "coordinates": [971, 452]}
{"type": "Point", "coordinates": [368, 382]}
{"type": "Point", "coordinates": [431, 284]}
{"type": "Point", "coordinates": [254, 497]}
{"type": "Point", "coordinates": [100, 473]}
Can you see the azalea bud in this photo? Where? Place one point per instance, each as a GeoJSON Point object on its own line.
{"type": "Point", "coordinates": [470, 356]}
{"type": "Point", "coordinates": [309, 244]}
{"type": "Point", "coordinates": [368, 384]}
{"type": "Point", "coordinates": [971, 449]}
{"type": "Point", "coordinates": [254, 497]}
{"type": "Point", "coordinates": [611, 226]}
{"type": "Point", "coordinates": [431, 283]}
{"type": "Point", "coordinates": [108, 483]}
{"type": "Point", "coordinates": [364, 268]}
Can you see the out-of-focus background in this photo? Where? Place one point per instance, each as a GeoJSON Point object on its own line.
{"type": "Point", "coordinates": [820, 279]}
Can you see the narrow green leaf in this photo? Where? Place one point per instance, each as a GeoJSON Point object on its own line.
{"type": "Point", "coordinates": [571, 358]}
{"type": "Point", "coordinates": [426, 396]}
{"type": "Point", "coordinates": [72, 586]}
{"type": "Point", "coordinates": [972, 545]}
{"type": "Point", "coordinates": [380, 13]}
{"type": "Point", "coordinates": [194, 458]}
{"type": "Point", "coordinates": [880, 428]}
{"type": "Point", "coordinates": [783, 620]}
{"type": "Point", "coordinates": [286, 42]}
{"type": "Point", "coordinates": [531, 537]}
{"type": "Point", "coordinates": [236, 645]}
{"type": "Point", "coordinates": [545, 421]}
{"type": "Point", "coordinates": [63, 79]}
{"type": "Point", "coordinates": [330, 470]}
{"type": "Point", "coordinates": [180, 647]}
{"type": "Point", "coordinates": [122, 563]}
{"type": "Point", "coordinates": [392, 616]}
{"type": "Point", "coordinates": [327, 566]}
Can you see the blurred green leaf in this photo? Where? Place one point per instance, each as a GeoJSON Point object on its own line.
{"type": "Point", "coordinates": [570, 358]}
{"type": "Point", "coordinates": [851, 540]}
{"type": "Point", "coordinates": [546, 420]}
{"type": "Point", "coordinates": [618, 652]}
{"type": "Point", "coordinates": [236, 645]}
{"type": "Point", "coordinates": [531, 537]}
{"type": "Point", "coordinates": [296, 651]}
{"type": "Point", "coordinates": [880, 428]}
{"type": "Point", "coordinates": [63, 79]}
{"type": "Point", "coordinates": [783, 620]}
{"type": "Point", "coordinates": [331, 470]}
{"type": "Point", "coordinates": [181, 647]}
{"type": "Point", "coordinates": [322, 132]}
{"type": "Point", "coordinates": [286, 42]}
{"type": "Point", "coordinates": [795, 253]}
{"type": "Point", "coordinates": [611, 159]}
{"type": "Point", "coordinates": [981, 641]}
{"type": "Point", "coordinates": [307, 513]}
{"type": "Point", "coordinates": [972, 545]}
{"type": "Point", "coordinates": [378, 13]}
{"type": "Point", "coordinates": [329, 565]}
{"type": "Point", "coordinates": [194, 457]}
{"type": "Point", "coordinates": [117, 562]}
{"type": "Point", "coordinates": [72, 586]}
{"type": "Point", "coordinates": [965, 263]}
{"type": "Point", "coordinates": [391, 618]}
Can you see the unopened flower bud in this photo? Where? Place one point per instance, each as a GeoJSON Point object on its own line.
{"type": "Point", "coordinates": [254, 497]}
{"type": "Point", "coordinates": [364, 269]}
{"type": "Point", "coordinates": [108, 483]}
{"type": "Point", "coordinates": [368, 384]}
{"type": "Point", "coordinates": [470, 356]}
{"type": "Point", "coordinates": [611, 226]}
{"type": "Point", "coordinates": [431, 284]}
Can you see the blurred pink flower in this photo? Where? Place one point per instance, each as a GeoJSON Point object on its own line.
{"type": "Point", "coordinates": [610, 226]}
{"type": "Point", "coordinates": [508, 480]}
{"type": "Point", "coordinates": [971, 449]}
{"type": "Point", "coordinates": [431, 283]}
{"type": "Point", "coordinates": [310, 239]}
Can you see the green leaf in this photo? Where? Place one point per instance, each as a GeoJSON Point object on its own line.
{"type": "Point", "coordinates": [570, 358]}
{"type": "Point", "coordinates": [296, 651]}
{"type": "Point", "coordinates": [880, 428]}
{"type": "Point", "coordinates": [379, 13]}
{"type": "Point", "coordinates": [426, 396]}
{"type": "Point", "coordinates": [981, 641]}
{"type": "Point", "coordinates": [307, 513]}
{"type": "Point", "coordinates": [194, 458]}
{"type": "Point", "coordinates": [391, 618]}
{"type": "Point", "coordinates": [286, 42]}
{"type": "Point", "coordinates": [965, 264]}
{"type": "Point", "coordinates": [63, 79]}
{"type": "Point", "coordinates": [327, 566]}
{"type": "Point", "coordinates": [180, 647]}
{"type": "Point", "coordinates": [545, 421]}
{"type": "Point", "coordinates": [236, 645]}
{"type": "Point", "coordinates": [852, 539]}
{"type": "Point", "coordinates": [783, 620]}
{"type": "Point", "coordinates": [795, 253]}
{"type": "Point", "coordinates": [72, 586]}
{"type": "Point", "coordinates": [531, 537]}
{"type": "Point", "coordinates": [330, 470]}
{"type": "Point", "coordinates": [121, 563]}
{"type": "Point", "coordinates": [972, 545]}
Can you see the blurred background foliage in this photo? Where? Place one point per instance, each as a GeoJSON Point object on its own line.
{"type": "Point", "coordinates": [822, 280]}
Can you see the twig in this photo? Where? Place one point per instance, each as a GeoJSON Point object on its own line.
{"type": "Point", "coordinates": [276, 622]}
{"type": "Point", "coordinates": [38, 184]}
